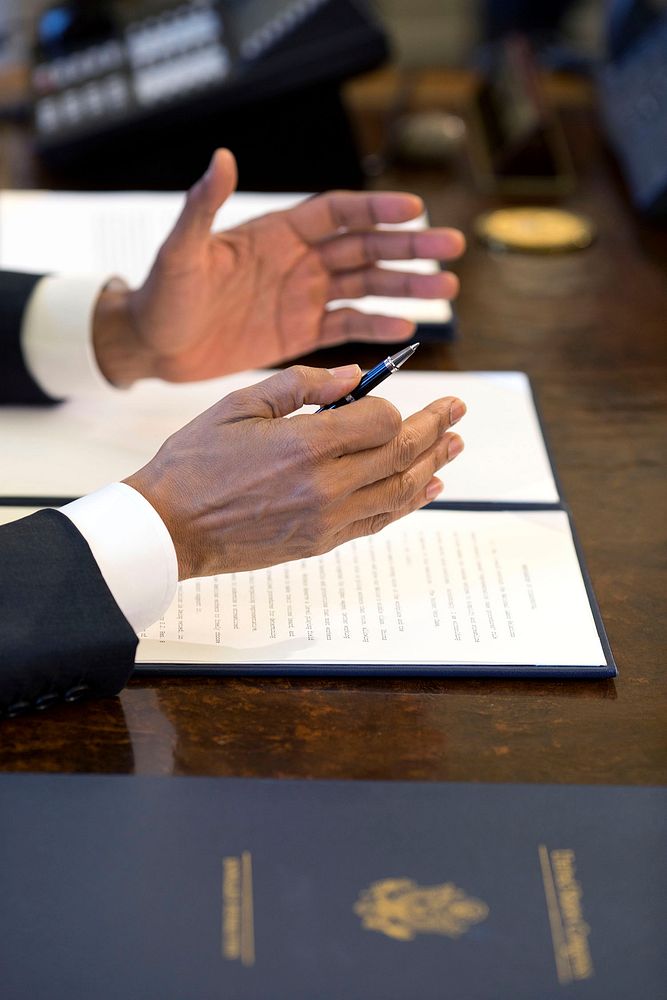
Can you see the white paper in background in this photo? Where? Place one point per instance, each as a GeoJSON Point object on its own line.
{"type": "Point", "coordinates": [120, 233]}
{"type": "Point", "coordinates": [436, 587]}
{"type": "Point", "coordinates": [505, 457]}
{"type": "Point", "coordinates": [77, 447]}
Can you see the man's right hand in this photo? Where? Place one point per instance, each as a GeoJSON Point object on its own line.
{"type": "Point", "coordinates": [241, 487]}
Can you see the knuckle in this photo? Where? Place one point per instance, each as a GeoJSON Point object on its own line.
{"type": "Point", "coordinates": [299, 375]}
{"type": "Point", "coordinates": [232, 403]}
{"type": "Point", "coordinates": [314, 530]}
{"type": "Point", "coordinates": [319, 496]}
{"type": "Point", "coordinates": [439, 412]}
{"type": "Point", "coordinates": [323, 540]}
{"type": "Point", "coordinates": [320, 534]}
{"type": "Point", "coordinates": [314, 448]}
{"type": "Point", "coordinates": [406, 448]}
{"type": "Point", "coordinates": [385, 415]}
{"type": "Point", "coordinates": [405, 487]}
{"type": "Point", "coordinates": [300, 372]}
{"type": "Point", "coordinates": [378, 522]}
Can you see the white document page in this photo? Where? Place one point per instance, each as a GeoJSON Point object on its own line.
{"type": "Point", "coordinates": [120, 233]}
{"type": "Point", "coordinates": [74, 448]}
{"type": "Point", "coordinates": [438, 587]}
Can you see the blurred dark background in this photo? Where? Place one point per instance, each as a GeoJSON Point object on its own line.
{"type": "Point", "coordinates": [313, 94]}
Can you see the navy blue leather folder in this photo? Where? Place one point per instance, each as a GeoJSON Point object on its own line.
{"type": "Point", "coordinates": [203, 889]}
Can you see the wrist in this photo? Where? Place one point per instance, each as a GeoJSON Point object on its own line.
{"type": "Point", "coordinates": [151, 484]}
{"type": "Point", "coordinates": [120, 355]}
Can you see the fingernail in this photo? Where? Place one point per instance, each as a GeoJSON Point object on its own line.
{"type": "Point", "coordinates": [457, 410]}
{"type": "Point", "coordinates": [434, 489]}
{"type": "Point", "coordinates": [346, 371]}
{"type": "Point", "coordinates": [455, 448]}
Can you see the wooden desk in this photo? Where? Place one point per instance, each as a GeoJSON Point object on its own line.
{"type": "Point", "coordinates": [590, 328]}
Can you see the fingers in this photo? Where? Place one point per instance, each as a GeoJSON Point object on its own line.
{"type": "Point", "coordinates": [348, 252]}
{"type": "Point", "coordinates": [342, 325]}
{"type": "Point", "coordinates": [324, 216]}
{"type": "Point", "coordinates": [375, 506]}
{"type": "Point", "coordinates": [288, 391]}
{"type": "Point", "coordinates": [423, 437]}
{"type": "Point", "coordinates": [363, 426]}
{"type": "Point", "coordinates": [379, 504]}
{"type": "Point", "coordinates": [203, 201]}
{"type": "Point", "coordinates": [408, 489]}
{"type": "Point", "coordinates": [369, 424]}
{"type": "Point", "coordinates": [398, 284]}
{"type": "Point", "coordinates": [374, 523]}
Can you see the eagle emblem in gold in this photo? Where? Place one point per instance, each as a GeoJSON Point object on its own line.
{"type": "Point", "coordinates": [401, 909]}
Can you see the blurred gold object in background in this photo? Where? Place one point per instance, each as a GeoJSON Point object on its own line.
{"type": "Point", "coordinates": [535, 230]}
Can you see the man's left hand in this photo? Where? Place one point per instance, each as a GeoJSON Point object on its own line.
{"type": "Point", "coordinates": [256, 295]}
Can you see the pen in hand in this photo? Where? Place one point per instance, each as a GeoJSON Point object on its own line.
{"type": "Point", "coordinates": [374, 377]}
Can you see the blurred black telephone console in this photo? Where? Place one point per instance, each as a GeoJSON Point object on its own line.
{"type": "Point", "coordinates": [141, 100]}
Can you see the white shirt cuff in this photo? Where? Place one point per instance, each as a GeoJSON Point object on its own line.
{"type": "Point", "coordinates": [132, 548]}
{"type": "Point", "coordinates": [56, 336]}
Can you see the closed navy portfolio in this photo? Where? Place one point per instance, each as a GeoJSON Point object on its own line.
{"type": "Point", "coordinates": [229, 889]}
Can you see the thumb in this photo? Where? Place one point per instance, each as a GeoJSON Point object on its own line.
{"type": "Point", "coordinates": [289, 390]}
{"type": "Point", "coordinates": [203, 201]}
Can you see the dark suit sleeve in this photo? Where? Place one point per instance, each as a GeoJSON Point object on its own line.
{"type": "Point", "coordinates": [16, 384]}
{"type": "Point", "coordinates": [63, 637]}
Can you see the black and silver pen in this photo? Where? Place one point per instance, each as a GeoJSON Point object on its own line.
{"type": "Point", "coordinates": [374, 377]}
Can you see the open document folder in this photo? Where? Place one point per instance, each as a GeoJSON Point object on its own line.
{"type": "Point", "coordinates": [120, 233]}
{"type": "Point", "coordinates": [488, 582]}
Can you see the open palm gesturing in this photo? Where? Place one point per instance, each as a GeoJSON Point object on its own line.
{"type": "Point", "coordinates": [256, 295]}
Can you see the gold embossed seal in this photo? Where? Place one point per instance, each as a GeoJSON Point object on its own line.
{"type": "Point", "coordinates": [401, 909]}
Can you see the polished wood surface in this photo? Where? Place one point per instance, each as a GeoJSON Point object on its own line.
{"type": "Point", "coordinates": [590, 328]}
